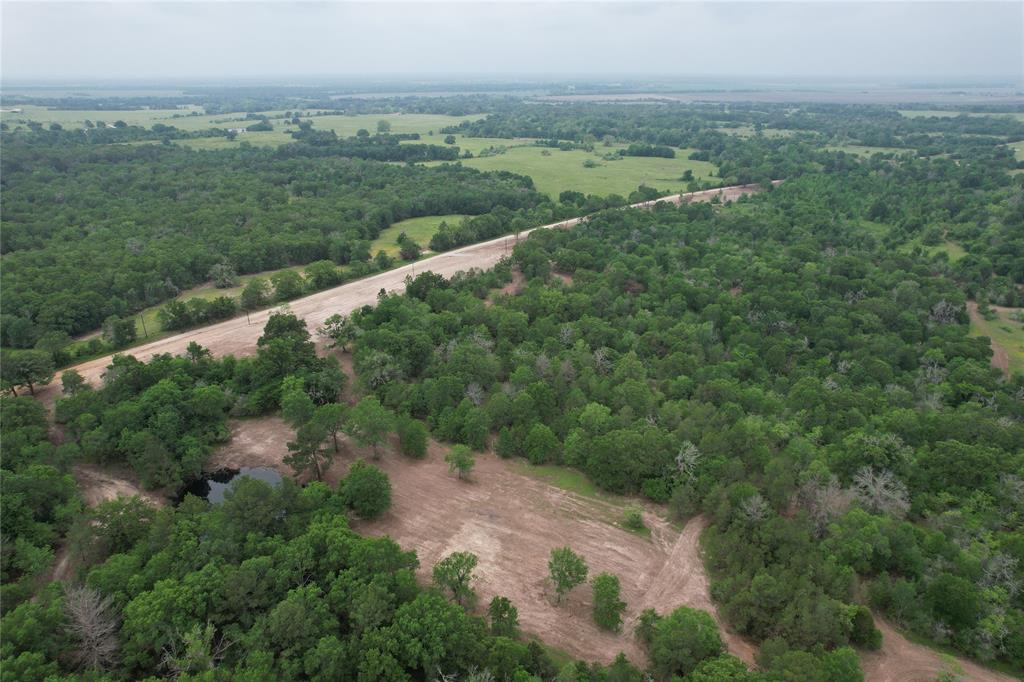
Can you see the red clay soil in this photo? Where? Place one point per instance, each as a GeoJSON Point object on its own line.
{"type": "Point", "coordinates": [1000, 358]}
{"type": "Point", "coordinates": [238, 336]}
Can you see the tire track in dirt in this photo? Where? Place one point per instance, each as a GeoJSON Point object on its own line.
{"type": "Point", "coordinates": [683, 576]}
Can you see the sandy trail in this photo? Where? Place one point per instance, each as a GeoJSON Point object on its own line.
{"type": "Point", "coordinates": [1000, 358]}
{"type": "Point", "coordinates": [900, 660]}
{"type": "Point", "coordinates": [238, 336]}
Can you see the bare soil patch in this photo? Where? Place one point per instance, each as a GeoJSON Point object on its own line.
{"type": "Point", "coordinates": [900, 660]}
{"type": "Point", "coordinates": [98, 485]}
{"type": "Point", "coordinates": [566, 279]}
{"type": "Point", "coordinates": [512, 522]}
{"type": "Point", "coordinates": [255, 442]}
{"type": "Point", "coordinates": [516, 285]}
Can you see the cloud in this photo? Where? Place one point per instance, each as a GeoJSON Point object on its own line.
{"type": "Point", "coordinates": [274, 41]}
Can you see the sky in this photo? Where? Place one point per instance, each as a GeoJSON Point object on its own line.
{"type": "Point", "coordinates": [939, 42]}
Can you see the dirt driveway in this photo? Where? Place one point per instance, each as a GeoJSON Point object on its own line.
{"type": "Point", "coordinates": [900, 660]}
{"type": "Point", "coordinates": [238, 336]}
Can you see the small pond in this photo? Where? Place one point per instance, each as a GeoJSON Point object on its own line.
{"type": "Point", "coordinates": [213, 486]}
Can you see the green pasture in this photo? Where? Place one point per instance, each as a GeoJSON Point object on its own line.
{"type": "Point", "coordinates": [75, 118]}
{"type": "Point", "coordinates": [420, 230]}
{"type": "Point", "coordinates": [945, 113]}
{"type": "Point", "coordinates": [555, 171]}
{"type": "Point", "coordinates": [1005, 331]}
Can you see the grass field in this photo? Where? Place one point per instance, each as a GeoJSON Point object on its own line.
{"type": "Point", "coordinates": [941, 113]}
{"type": "Point", "coordinates": [76, 118]}
{"type": "Point", "coordinates": [1006, 332]}
{"type": "Point", "coordinates": [344, 126]}
{"type": "Point", "coordinates": [951, 249]}
{"type": "Point", "coordinates": [564, 170]}
{"type": "Point", "coordinates": [420, 230]}
{"type": "Point", "coordinates": [565, 478]}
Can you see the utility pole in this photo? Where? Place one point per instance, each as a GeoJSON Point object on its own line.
{"type": "Point", "coordinates": [142, 319]}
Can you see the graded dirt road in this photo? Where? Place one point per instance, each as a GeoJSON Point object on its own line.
{"type": "Point", "coordinates": [900, 660]}
{"type": "Point", "coordinates": [238, 336]}
{"type": "Point", "coordinates": [512, 521]}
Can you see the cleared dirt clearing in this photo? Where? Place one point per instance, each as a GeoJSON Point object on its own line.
{"type": "Point", "coordinates": [238, 337]}
{"type": "Point", "coordinates": [512, 521]}
{"type": "Point", "coordinates": [900, 660]}
{"type": "Point", "coordinates": [99, 484]}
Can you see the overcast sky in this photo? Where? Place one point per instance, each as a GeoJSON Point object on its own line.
{"type": "Point", "coordinates": [938, 41]}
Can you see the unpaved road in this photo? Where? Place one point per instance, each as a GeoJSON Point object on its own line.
{"type": "Point", "coordinates": [1000, 358]}
{"type": "Point", "coordinates": [238, 337]}
{"type": "Point", "coordinates": [900, 660]}
{"type": "Point", "coordinates": [512, 521]}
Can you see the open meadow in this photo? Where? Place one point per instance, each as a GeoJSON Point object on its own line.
{"type": "Point", "coordinates": [1006, 332]}
{"type": "Point", "coordinates": [554, 171]}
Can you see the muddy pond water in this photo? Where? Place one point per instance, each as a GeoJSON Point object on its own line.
{"type": "Point", "coordinates": [213, 486]}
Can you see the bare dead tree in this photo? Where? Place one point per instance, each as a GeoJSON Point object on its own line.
{"type": "Point", "coordinates": [93, 625]}
{"type": "Point", "coordinates": [687, 460]}
{"type": "Point", "coordinates": [475, 393]}
{"type": "Point", "coordinates": [567, 334]}
{"type": "Point", "coordinates": [1001, 571]}
{"type": "Point", "coordinates": [441, 676]}
{"type": "Point", "coordinates": [754, 508]}
{"type": "Point", "coordinates": [543, 365]}
{"type": "Point", "coordinates": [944, 312]}
{"type": "Point", "coordinates": [824, 500]}
{"type": "Point", "coordinates": [881, 492]}
{"type": "Point", "coordinates": [197, 650]}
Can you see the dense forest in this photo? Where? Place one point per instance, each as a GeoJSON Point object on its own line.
{"type": "Point", "coordinates": [796, 367]}
{"type": "Point", "coordinates": [815, 394]}
{"type": "Point", "coordinates": [93, 231]}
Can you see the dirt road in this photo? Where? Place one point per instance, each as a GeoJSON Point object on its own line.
{"type": "Point", "coordinates": [238, 336]}
{"type": "Point", "coordinates": [1000, 358]}
{"type": "Point", "coordinates": [900, 660]}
